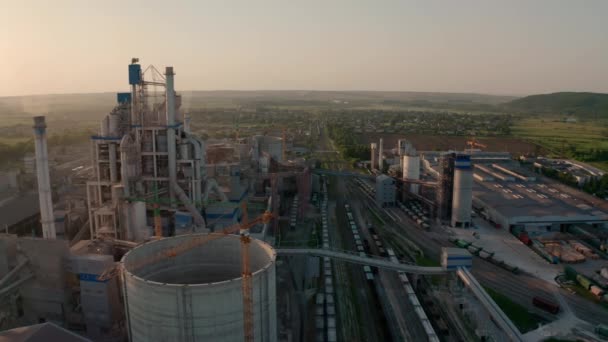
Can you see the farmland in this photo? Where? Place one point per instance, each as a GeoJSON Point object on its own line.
{"type": "Point", "coordinates": [579, 140]}
{"type": "Point", "coordinates": [444, 142]}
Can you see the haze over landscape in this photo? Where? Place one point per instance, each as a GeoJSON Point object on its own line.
{"type": "Point", "coordinates": [510, 47]}
{"type": "Point", "coordinates": [291, 171]}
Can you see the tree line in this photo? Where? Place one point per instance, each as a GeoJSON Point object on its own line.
{"type": "Point", "coordinates": [595, 186]}
{"type": "Point", "coordinates": [14, 153]}
{"type": "Point", "coordinates": [347, 144]}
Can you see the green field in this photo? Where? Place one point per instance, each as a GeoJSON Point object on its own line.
{"type": "Point", "coordinates": [572, 140]}
{"type": "Point", "coordinates": [519, 315]}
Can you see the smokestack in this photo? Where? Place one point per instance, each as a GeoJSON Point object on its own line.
{"type": "Point", "coordinates": [380, 160]}
{"type": "Point", "coordinates": [170, 110]}
{"type": "Point", "coordinates": [374, 150]}
{"type": "Point", "coordinates": [47, 218]}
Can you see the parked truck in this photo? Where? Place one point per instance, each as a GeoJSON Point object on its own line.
{"type": "Point", "coordinates": [546, 304]}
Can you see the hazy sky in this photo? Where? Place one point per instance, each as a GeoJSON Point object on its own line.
{"type": "Point", "coordinates": [504, 47]}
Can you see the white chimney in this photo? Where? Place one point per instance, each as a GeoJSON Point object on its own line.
{"type": "Point", "coordinates": [47, 218]}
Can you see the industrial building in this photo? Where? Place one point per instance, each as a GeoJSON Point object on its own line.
{"type": "Point", "coordinates": [583, 173]}
{"type": "Point", "coordinates": [385, 191]}
{"type": "Point", "coordinates": [523, 201]}
{"type": "Point", "coordinates": [461, 193]}
{"type": "Point", "coordinates": [146, 163]}
{"type": "Point", "coordinates": [505, 194]}
{"type": "Point", "coordinates": [153, 184]}
{"type": "Point", "coordinates": [456, 184]}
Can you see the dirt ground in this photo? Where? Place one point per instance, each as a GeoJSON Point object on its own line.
{"type": "Point", "coordinates": [442, 143]}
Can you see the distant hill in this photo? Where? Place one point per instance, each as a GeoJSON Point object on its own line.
{"type": "Point", "coordinates": [565, 103]}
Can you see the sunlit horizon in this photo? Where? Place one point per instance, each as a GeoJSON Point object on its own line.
{"type": "Point", "coordinates": [509, 48]}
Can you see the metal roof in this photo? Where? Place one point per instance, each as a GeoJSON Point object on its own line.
{"type": "Point", "coordinates": [18, 209]}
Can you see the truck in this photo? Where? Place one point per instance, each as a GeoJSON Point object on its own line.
{"type": "Point", "coordinates": [584, 282]}
{"type": "Point", "coordinates": [545, 304]}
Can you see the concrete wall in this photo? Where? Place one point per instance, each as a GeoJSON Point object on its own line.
{"type": "Point", "coordinates": [45, 296]}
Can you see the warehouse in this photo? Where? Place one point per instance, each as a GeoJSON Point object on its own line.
{"type": "Point", "coordinates": [508, 196]}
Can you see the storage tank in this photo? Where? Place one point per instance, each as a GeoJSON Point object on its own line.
{"type": "Point", "coordinates": [196, 294]}
{"type": "Point", "coordinates": [462, 197]}
{"type": "Point", "coordinates": [411, 170]}
{"type": "Point", "coordinates": [114, 125]}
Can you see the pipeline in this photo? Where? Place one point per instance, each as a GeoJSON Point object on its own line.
{"type": "Point", "coordinates": [198, 218]}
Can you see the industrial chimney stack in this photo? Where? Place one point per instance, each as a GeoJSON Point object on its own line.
{"type": "Point", "coordinates": [47, 218]}
{"type": "Point", "coordinates": [380, 155]}
{"type": "Point", "coordinates": [374, 161]}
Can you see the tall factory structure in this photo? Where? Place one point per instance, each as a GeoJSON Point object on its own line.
{"type": "Point", "coordinates": [47, 218]}
{"type": "Point", "coordinates": [147, 166]}
{"type": "Point", "coordinates": [380, 155]}
{"type": "Point", "coordinates": [446, 185]}
{"type": "Point", "coordinates": [462, 197]}
{"type": "Point", "coordinates": [374, 159]}
{"type": "Point", "coordinates": [410, 164]}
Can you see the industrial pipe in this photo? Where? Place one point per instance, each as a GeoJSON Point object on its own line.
{"type": "Point", "coordinates": [124, 173]}
{"type": "Point", "coordinates": [13, 272]}
{"type": "Point", "coordinates": [212, 185]}
{"type": "Point", "coordinates": [196, 215]}
{"type": "Point", "coordinates": [112, 156]}
{"type": "Point", "coordinates": [198, 158]}
{"type": "Point", "coordinates": [15, 284]}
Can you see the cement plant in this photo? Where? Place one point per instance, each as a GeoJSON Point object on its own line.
{"type": "Point", "coordinates": [297, 224]}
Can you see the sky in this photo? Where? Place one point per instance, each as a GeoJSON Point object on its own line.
{"type": "Point", "coordinates": [510, 47]}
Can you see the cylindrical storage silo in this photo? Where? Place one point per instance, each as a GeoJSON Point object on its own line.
{"type": "Point", "coordinates": [462, 197]}
{"type": "Point", "coordinates": [196, 295]}
{"type": "Point", "coordinates": [374, 160]}
{"type": "Point", "coordinates": [411, 170]}
{"type": "Point", "coordinates": [114, 125]}
{"type": "Point", "coordinates": [104, 127]}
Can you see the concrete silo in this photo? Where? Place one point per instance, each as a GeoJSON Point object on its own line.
{"type": "Point", "coordinates": [374, 160]}
{"type": "Point", "coordinates": [410, 164]}
{"type": "Point", "coordinates": [463, 191]}
{"type": "Point", "coordinates": [196, 295]}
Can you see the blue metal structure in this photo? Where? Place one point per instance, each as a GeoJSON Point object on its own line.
{"type": "Point", "coordinates": [123, 97]}
{"type": "Point", "coordinates": [134, 74]}
{"type": "Point", "coordinates": [462, 161]}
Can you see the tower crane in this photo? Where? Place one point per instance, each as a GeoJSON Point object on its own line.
{"type": "Point", "coordinates": [473, 143]}
{"type": "Point", "coordinates": [197, 241]}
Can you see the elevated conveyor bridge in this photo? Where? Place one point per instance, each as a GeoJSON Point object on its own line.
{"type": "Point", "coordinates": [496, 314]}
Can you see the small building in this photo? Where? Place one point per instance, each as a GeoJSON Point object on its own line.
{"type": "Point", "coordinates": [21, 214]}
{"type": "Point", "coordinates": [385, 191]}
{"type": "Point", "coordinates": [452, 258]}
